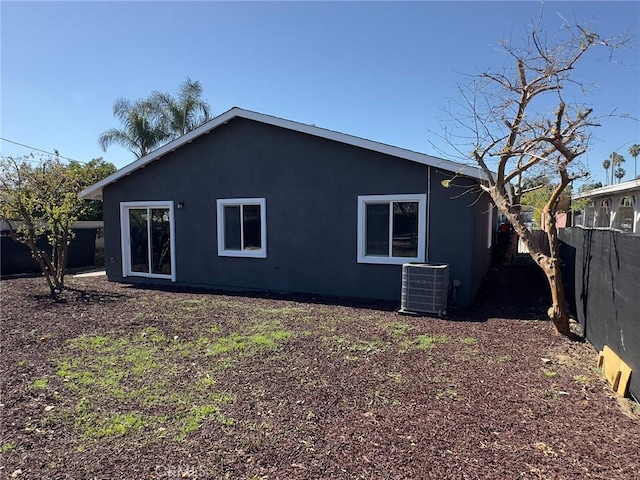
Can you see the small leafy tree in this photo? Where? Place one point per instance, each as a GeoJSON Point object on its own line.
{"type": "Point", "coordinates": [520, 120]}
{"type": "Point", "coordinates": [87, 174]}
{"type": "Point", "coordinates": [39, 196]}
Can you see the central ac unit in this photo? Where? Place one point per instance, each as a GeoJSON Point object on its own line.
{"type": "Point", "coordinates": [425, 288]}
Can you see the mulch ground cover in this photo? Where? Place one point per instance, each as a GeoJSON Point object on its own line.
{"type": "Point", "coordinates": [115, 381]}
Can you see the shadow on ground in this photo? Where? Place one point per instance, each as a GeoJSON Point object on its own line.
{"type": "Point", "coordinates": [523, 294]}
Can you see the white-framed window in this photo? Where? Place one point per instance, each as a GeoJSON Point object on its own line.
{"type": "Point", "coordinates": [242, 227]}
{"type": "Point", "coordinates": [391, 228]}
{"type": "Point", "coordinates": [147, 231]}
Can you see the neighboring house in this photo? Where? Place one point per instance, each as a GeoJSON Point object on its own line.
{"type": "Point", "coordinates": [614, 206]}
{"type": "Point", "coordinates": [249, 201]}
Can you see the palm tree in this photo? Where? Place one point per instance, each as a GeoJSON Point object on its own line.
{"type": "Point", "coordinates": [616, 160]}
{"type": "Point", "coordinates": [606, 164]}
{"type": "Point", "coordinates": [634, 151]}
{"type": "Point", "coordinates": [619, 173]}
{"type": "Point", "coordinates": [185, 112]}
{"type": "Point", "coordinates": [142, 127]}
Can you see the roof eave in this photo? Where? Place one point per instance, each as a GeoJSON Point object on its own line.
{"type": "Point", "coordinates": [609, 189]}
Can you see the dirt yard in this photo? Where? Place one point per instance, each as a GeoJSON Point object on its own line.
{"type": "Point", "coordinates": [124, 382]}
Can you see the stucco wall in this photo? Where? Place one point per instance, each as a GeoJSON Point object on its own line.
{"type": "Point", "coordinates": [311, 187]}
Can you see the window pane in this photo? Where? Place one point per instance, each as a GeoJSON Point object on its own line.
{"type": "Point", "coordinates": [405, 229]}
{"type": "Point", "coordinates": [377, 229]}
{"type": "Point", "coordinates": [232, 227]}
{"type": "Point", "coordinates": [160, 241]}
{"type": "Point", "coordinates": [589, 216]}
{"type": "Point", "coordinates": [139, 240]}
{"type": "Point", "coordinates": [603, 216]}
{"type": "Point", "coordinates": [624, 217]}
{"type": "Point", "coordinates": [252, 227]}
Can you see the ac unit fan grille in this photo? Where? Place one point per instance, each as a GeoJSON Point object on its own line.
{"type": "Point", "coordinates": [425, 288]}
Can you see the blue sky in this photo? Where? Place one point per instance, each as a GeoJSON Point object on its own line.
{"type": "Point", "coordinates": [379, 70]}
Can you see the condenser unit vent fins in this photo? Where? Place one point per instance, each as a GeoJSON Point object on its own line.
{"type": "Point", "coordinates": [425, 288]}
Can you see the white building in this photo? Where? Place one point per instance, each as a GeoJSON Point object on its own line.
{"type": "Point", "coordinates": [614, 206]}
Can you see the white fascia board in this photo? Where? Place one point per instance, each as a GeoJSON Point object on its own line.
{"type": "Point", "coordinates": [609, 189]}
{"type": "Point", "coordinates": [94, 192]}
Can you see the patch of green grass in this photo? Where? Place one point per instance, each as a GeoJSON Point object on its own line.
{"type": "Point", "coordinates": [205, 382]}
{"type": "Point", "coordinates": [246, 344]}
{"type": "Point", "coordinates": [7, 447]}
{"type": "Point", "coordinates": [503, 359]}
{"type": "Point", "coordinates": [582, 380]}
{"type": "Point", "coordinates": [89, 343]}
{"type": "Point", "coordinates": [117, 381]}
{"type": "Point", "coordinates": [425, 342]}
{"type": "Point", "coordinates": [398, 330]}
{"type": "Point", "coordinates": [449, 393]}
{"type": "Point", "coordinates": [379, 398]}
{"type": "Point", "coordinates": [197, 415]}
{"type": "Point", "coordinates": [549, 373]}
{"type": "Point", "coordinates": [40, 384]}
{"type": "Point", "coordinates": [469, 340]}
{"type": "Point", "coordinates": [368, 347]}
{"type": "Point", "coordinates": [142, 360]}
{"type": "Point", "coordinates": [150, 335]}
{"type": "Point", "coordinates": [117, 424]}
{"type": "Point", "coordinates": [193, 304]}
{"type": "Point", "coordinates": [22, 363]}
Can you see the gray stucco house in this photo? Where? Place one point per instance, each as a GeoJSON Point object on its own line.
{"type": "Point", "coordinates": [253, 202]}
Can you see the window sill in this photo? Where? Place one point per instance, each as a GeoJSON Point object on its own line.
{"type": "Point", "coordinates": [390, 260]}
{"type": "Point", "coordinates": [240, 254]}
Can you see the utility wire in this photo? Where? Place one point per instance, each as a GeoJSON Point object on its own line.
{"type": "Point", "coordinates": [40, 150]}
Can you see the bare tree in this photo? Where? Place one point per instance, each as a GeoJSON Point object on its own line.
{"type": "Point", "coordinates": [521, 120]}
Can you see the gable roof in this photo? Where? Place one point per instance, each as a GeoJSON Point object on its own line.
{"type": "Point", "coordinates": [95, 191]}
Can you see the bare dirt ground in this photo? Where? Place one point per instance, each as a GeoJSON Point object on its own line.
{"type": "Point", "coordinates": [116, 381]}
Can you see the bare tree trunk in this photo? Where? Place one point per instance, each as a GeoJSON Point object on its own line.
{"type": "Point", "coordinates": [558, 313]}
{"type": "Point", "coordinates": [41, 258]}
{"type": "Point", "coordinates": [550, 264]}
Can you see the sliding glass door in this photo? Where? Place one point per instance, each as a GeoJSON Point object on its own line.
{"type": "Point", "coordinates": [147, 239]}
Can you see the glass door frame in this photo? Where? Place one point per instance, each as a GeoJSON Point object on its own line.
{"type": "Point", "coordinates": [125, 237]}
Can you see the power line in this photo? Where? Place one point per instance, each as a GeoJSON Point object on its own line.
{"type": "Point", "coordinates": [40, 150]}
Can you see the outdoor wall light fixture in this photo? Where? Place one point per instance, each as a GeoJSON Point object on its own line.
{"type": "Point", "coordinates": [180, 204]}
